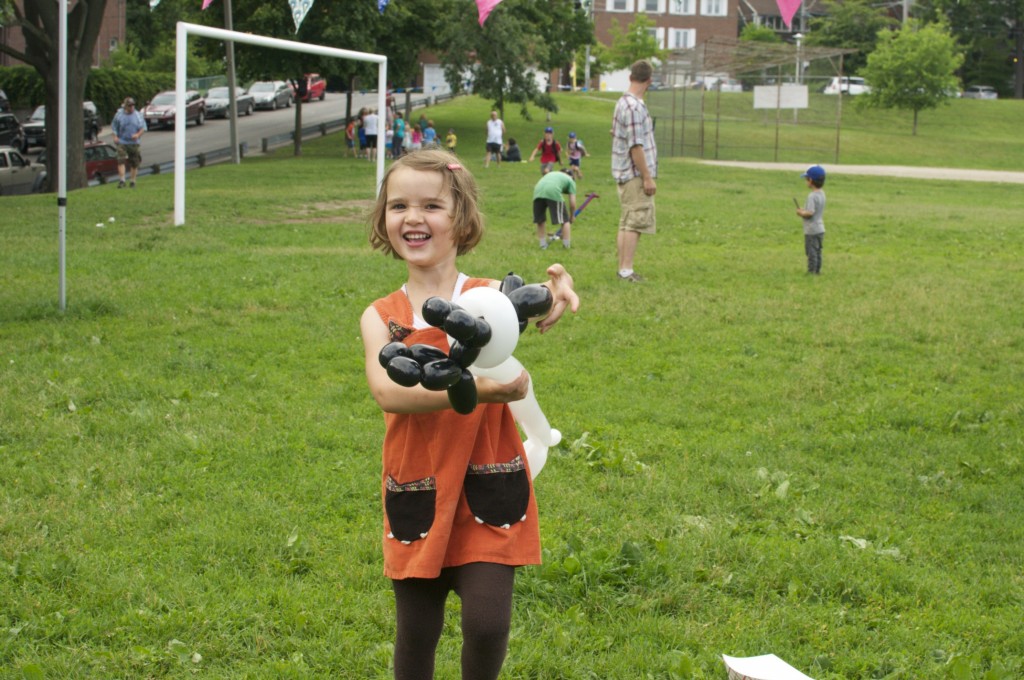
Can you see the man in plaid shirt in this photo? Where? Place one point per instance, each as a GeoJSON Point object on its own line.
{"type": "Point", "coordinates": [634, 167]}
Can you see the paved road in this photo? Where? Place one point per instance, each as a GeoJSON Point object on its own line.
{"type": "Point", "coordinates": [158, 145]}
{"type": "Point", "coordinates": [958, 174]}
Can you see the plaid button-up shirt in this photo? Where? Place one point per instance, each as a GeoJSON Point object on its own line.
{"type": "Point", "coordinates": [631, 126]}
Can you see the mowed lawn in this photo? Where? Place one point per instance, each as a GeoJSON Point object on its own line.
{"type": "Point", "coordinates": [754, 460]}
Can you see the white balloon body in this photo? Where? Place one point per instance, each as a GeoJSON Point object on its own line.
{"type": "Point", "coordinates": [497, 363]}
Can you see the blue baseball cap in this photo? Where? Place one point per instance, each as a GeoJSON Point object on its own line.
{"type": "Point", "coordinates": [549, 129]}
{"type": "Point", "coordinates": [815, 172]}
{"type": "Point", "coordinates": [572, 134]}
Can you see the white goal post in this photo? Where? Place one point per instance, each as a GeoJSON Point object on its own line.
{"type": "Point", "coordinates": [181, 66]}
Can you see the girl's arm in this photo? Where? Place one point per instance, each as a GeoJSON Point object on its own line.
{"type": "Point", "coordinates": [394, 398]}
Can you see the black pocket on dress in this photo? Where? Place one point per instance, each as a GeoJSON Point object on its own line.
{"type": "Point", "coordinates": [498, 494]}
{"type": "Point", "coordinates": [410, 508]}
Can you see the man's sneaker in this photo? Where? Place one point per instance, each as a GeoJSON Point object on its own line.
{"type": "Point", "coordinates": [132, 185]}
{"type": "Point", "coordinates": [543, 246]}
{"type": "Point", "coordinates": [632, 278]}
{"type": "Point", "coordinates": [120, 185]}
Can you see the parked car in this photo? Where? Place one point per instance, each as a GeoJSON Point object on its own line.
{"type": "Point", "coordinates": [980, 92]}
{"type": "Point", "coordinates": [11, 133]}
{"type": "Point", "coordinates": [315, 87]}
{"type": "Point", "coordinates": [100, 163]}
{"type": "Point", "coordinates": [100, 160]}
{"type": "Point", "coordinates": [18, 174]}
{"type": "Point", "coordinates": [270, 94]}
{"type": "Point", "coordinates": [160, 111]}
{"type": "Point", "coordinates": [847, 85]}
{"type": "Point", "coordinates": [218, 102]}
{"type": "Point", "coordinates": [5, 103]}
{"type": "Point", "coordinates": [35, 126]}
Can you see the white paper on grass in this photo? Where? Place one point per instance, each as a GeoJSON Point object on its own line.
{"type": "Point", "coordinates": [765, 667]}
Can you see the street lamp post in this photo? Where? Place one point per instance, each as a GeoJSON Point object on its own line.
{"type": "Point", "coordinates": [799, 37]}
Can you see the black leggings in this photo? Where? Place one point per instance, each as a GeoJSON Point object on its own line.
{"type": "Point", "coordinates": [486, 593]}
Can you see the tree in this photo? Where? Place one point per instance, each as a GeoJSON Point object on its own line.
{"type": "Point", "coordinates": [499, 59]}
{"type": "Point", "coordinates": [850, 24]}
{"type": "Point", "coordinates": [913, 68]}
{"type": "Point", "coordinates": [39, 23]}
{"type": "Point", "coordinates": [755, 33]}
{"type": "Point", "coordinates": [992, 34]}
{"type": "Point", "coordinates": [636, 42]}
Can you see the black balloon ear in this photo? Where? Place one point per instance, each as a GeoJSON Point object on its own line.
{"type": "Point", "coordinates": [390, 351]}
{"type": "Point", "coordinates": [441, 374]}
{"type": "Point", "coordinates": [510, 283]}
{"type": "Point", "coordinates": [436, 310]}
{"type": "Point", "coordinates": [424, 354]}
{"type": "Point", "coordinates": [463, 355]}
{"type": "Point", "coordinates": [405, 371]}
{"type": "Point", "coordinates": [461, 325]}
{"type": "Point", "coordinates": [462, 395]}
{"type": "Point", "coordinates": [482, 336]}
{"type": "Point", "coordinates": [530, 302]}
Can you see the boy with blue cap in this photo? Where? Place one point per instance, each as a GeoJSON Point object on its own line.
{"type": "Point", "coordinates": [813, 214]}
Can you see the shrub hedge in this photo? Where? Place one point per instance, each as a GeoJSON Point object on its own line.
{"type": "Point", "coordinates": [107, 87]}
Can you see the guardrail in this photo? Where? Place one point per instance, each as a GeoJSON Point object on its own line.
{"type": "Point", "coordinates": [267, 144]}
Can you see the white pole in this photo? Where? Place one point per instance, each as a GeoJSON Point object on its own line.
{"type": "Point", "coordinates": [61, 160]}
{"type": "Point", "coordinates": [382, 113]}
{"type": "Point", "coordinates": [181, 66]}
{"type": "Point", "coordinates": [184, 29]}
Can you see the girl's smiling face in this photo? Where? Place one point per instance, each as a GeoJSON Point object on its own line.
{"type": "Point", "coordinates": [419, 217]}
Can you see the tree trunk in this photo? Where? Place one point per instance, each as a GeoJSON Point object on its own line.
{"type": "Point", "coordinates": [40, 24]}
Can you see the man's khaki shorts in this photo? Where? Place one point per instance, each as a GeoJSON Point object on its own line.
{"type": "Point", "coordinates": [129, 155]}
{"type": "Point", "coordinates": [637, 212]}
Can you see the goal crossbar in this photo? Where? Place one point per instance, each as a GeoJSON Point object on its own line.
{"type": "Point", "coordinates": [185, 29]}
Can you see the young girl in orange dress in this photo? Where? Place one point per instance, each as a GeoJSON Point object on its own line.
{"type": "Point", "coordinates": [459, 508]}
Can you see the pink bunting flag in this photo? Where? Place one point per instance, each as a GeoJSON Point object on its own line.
{"type": "Point", "coordinates": [788, 8]}
{"type": "Point", "coordinates": [485, 7]}
{"type": "Point", "coordinates": [207, 3]}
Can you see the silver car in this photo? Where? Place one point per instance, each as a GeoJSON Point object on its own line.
{"type": "Point", "coordinates": [270, 94]}
{"type": "Point", "coordinates": [218, 102]}
{"type": "Point", "coordinates": [18, 174]}
{"type": "Point", "coordinates": [981, 92]}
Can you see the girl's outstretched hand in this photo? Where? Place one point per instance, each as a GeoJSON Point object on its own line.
{"type": "Point", "coordinates": [562, 295]}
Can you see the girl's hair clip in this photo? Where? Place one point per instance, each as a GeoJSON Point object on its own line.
{"type": "Point", "coordinates": [454, 166]}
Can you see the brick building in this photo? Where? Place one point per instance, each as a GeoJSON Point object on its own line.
{"type": "Point", "coordinates": [111, 36]}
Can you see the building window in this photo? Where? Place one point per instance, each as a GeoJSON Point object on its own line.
{"type": "Point", "coordinates": [683, 38]}
{"type": "Point", "coordinates": [713, 8]}
{"type": "Point", "coordinates": [651, 6]}
{"type": "Point", "coordinates": [619, 5]}
{"type": "Point", "coordinates": [682, 6]}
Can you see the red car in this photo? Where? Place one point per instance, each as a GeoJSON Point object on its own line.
{"type": "Point", "coordinates": [100, 161]}
{"type": "Point", "coordinates": [316, 88]}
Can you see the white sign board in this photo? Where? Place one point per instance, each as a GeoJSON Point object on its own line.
{"type": "Point", "coordinates": [765, 667]}
{"type": "Point", "coordinates": [785, 96]}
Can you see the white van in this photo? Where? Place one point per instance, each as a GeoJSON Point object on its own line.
{"type": "Point", "coordinates": [848, 85]}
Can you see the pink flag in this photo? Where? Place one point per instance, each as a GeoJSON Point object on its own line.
{"type": "Point", "coordinates": [788, 8]}
{"type": "Point", "coordinates": [485, 7]}
{"type": "Point", "coordinates": [207, 3]}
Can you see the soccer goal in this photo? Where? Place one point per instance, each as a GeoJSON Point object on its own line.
{"type": "Point", "coordinates": [181, 67]}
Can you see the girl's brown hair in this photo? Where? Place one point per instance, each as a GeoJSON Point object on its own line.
{"type": "Point", "coordinates": [467, 222]}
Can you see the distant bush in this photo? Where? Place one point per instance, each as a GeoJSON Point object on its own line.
{"type": "Point", "coordinates": [106, 86]}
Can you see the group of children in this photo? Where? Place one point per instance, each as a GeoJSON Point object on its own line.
{"type": "Point", "coordinates": [550, 193]}
{"type": "Point", "coordinates": [362, 136]}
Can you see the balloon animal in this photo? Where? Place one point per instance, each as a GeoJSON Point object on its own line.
{"type": "Point", "coordinates": [483, 330]}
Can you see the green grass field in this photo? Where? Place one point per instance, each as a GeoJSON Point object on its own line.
{"type": "Point", "coordinates": [754, 460]}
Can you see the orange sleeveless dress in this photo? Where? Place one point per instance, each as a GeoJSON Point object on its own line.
{"type": "Point", "coordinates": [456, 488]}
